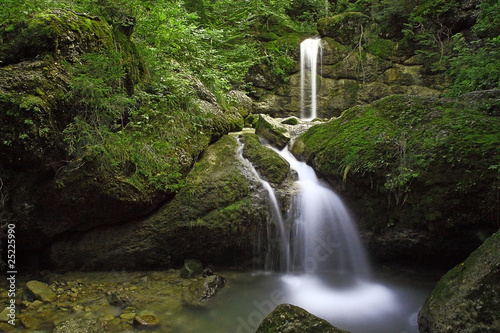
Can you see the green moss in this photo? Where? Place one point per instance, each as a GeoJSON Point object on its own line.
{"type": "Point", "coordinates": [345, 27]}
{"type": "Point", "coordinates": [265, 160]}
{"type": "Point", "coordinates": [383, 48]}
{"type": "Point", "coordinates": [50, 32]}
{"type": "Point", "coordinates": [436, 158]}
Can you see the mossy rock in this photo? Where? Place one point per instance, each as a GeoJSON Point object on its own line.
{"type": "Point", "coordinates": [191, 268]}
{"type": "Point", "coordinates": [293, 319]}
{"type": "Point", "coordinates": [416, 163]}
{"type": "Point", "coordinates": [346, 28]}
{"type": "Point", "coordinates": [266, 161]}
{"type": "Point", "coordinates": [60, 33]}
{"type": "Point", "coordinates": [270, 130]}
{"type": "Point", "coordinates": [214, 217]}
{"type": "Point", "coordinates": [466, 299]}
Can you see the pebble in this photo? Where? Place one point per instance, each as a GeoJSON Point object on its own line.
{"type": "Point", "coordinates": [127, 316]}
{"type": "Point", "coordinates": [146, 321]}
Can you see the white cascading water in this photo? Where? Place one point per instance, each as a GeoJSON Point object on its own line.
{"type": "Point", "coordinates": [309, 50]}
{"type": "Point", "coordinates": [324, 236]}
{"type": "Point", "coordinates": [332, 277]}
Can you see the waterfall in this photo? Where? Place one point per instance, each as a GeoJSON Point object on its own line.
{"type": "Point", "coordinates": [322, 237]}
{"type": "Point", "coordinates": [308, 66]}
{"type": "Point", "coordinates": [277, 219]}
{"type": "Point", "coordinates": [325, 236]}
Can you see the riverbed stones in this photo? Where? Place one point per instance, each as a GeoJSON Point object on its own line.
{"type": "Point", "coordinates": [293, 319]}
{"type": "Point", "coordinates": [201, 291]}
{"type": "Point", "coordinates": [83, 325]}
{"type": "Point", "coordinates": [41, 291]}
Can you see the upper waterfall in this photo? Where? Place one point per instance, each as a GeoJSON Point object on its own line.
{"type": "Point", "coordinates": [309, 50]}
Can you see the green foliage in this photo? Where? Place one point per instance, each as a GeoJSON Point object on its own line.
{"type": "Point", "coordinates": [475, 65]}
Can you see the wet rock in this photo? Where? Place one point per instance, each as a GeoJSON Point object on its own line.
{"type": "Point", "coordinates": [293, 319]}
{"type": "Point", "coordinates": [41, 291]}
{"type": "Point", "coordinates": [120, 298]}
{"type": "Point", "coordinates": [4, 315]}
{"type": "Point", "coordinates": [83, 325]}
{"type": "Point", "coordinates": [467, 298]}
{"type": "Point", "coordinates": [242, 103]}
{"type": "Point", "coordinates": [290, 121]}
{"type": "Point", "coordinates": [266, 161]}
{"type": "Point", "coordinates": [191, 268]}
{"type": "Point", "coordinates": [146, 321]}
{"type": "Point", "coordinates": [202, 290]}
{"type": "Point", "coordinates": [128, 316]}
{"type": "Point", "coordinates": [272, 131]}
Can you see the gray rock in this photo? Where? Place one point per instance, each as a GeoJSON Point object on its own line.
{"type": "Point", "coordinates": [83, 326]}
{"type": "Point", "coordinates": [41, 291]}
{"type": "Point", "coordinates": [202, 290]}
{"type": "Point", "coordinates": [272, 131]}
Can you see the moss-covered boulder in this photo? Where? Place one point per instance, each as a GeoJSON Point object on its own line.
{"type": "Point", "coordinates": [293, 319]}
{"type": "Point", "coordinates": [467, 298]}
{"type": "Point", "coordinates": [216, 217]}
{"type": "Point", "coordinates": [266, 161]}
{"type": "Point", "coordinates": [419, 173]}
{"type": "Point", "coordinates": [71, 161]}
{"type": "Point", "coordinates": [272, 131]}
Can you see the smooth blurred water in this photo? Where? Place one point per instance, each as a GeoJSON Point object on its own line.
{"type": "Point", "coordinates": [309, 50]}
{"type": "Point", "coordinates": [375, 306]}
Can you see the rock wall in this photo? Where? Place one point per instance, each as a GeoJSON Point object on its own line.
{"type": "Point", "coordinates": [357, 67]}
{"type": "Point", "coordinates": [52, 192]}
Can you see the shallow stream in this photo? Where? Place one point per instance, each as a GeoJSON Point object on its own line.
{"type": "Point", "coordinates": [383, 304]}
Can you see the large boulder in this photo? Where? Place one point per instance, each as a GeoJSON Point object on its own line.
{"type": "Point", "coordinates": [467, 298]}
{"type": "Point", "coordinates": [216, 217]}
{"type": "Point", "coordinates": [418, 173]}
{"type": "Point", "coordinates": [293, 319]}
